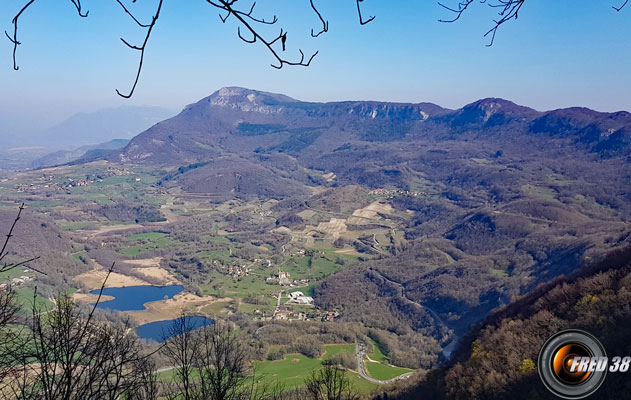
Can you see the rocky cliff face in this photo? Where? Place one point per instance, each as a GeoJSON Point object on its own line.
{"type": "Point", "coordinates": [237, 120]}
{"type": "Point", "coordinates": [241, 121]}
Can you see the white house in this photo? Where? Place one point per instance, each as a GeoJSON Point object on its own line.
{"type": "Point", "coordinates": [304, 300]}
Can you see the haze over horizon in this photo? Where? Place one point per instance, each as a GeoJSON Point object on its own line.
{"type": "Point", "coordinates": [540, 61]}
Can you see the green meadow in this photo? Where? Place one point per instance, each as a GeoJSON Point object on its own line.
{"type": "Point", "coordinates": [295, 368]}
{"type": "Point", "coordinates": [150, 241]}
{"type": "Point", "coordinates": [384, 372]}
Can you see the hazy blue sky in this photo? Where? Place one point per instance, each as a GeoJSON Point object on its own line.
{"type": "Point", "coordinates": [557, 54]}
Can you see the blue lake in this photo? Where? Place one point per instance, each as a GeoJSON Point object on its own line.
{"type": "Point", "coordinates": [159, 330]}
{"type": "Point", "coordinates": [132, 298]}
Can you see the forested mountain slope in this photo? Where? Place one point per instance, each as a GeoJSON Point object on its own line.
{"type": "Point", "coordinates": [497, 358]}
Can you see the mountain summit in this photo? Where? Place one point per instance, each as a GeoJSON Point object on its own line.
{"type": "Point", "coordinates": [236, 120]}
{"type": "Point", "coordinates": [237, 96]}
{"type": "Point", "coordinates": [241, 121]}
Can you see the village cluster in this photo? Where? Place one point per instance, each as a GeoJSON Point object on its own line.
{"type": "Point", "coordinates": [16, 282]}
{"type": "Point", "coordinates": [395, 192]}
{"type": "Point", "coordinates": [284, 279]}
{"type": "Point", "coordinates": [287, 313]}
{"type": "Point", "coordinates": [300, 298]}
{"type": "Point", "coordinates": [47, 182]}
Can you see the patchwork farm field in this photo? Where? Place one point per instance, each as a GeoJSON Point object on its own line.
{"type": "Point", "coordinates": [234, 258]}
{"type": "Point", "coordinates": [147, 241]}
{"type": "Point", "coordinates": [295, 368]}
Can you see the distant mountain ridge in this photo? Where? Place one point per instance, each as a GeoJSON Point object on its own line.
{"type": "Point", "coordinates": [81, 154]}
{"type": "Point", "coordinates": [240, 121]}
{"type": "Point", "coordinates": [84, 129]}
{"type": "Point", "coordinates": [236, 131]}
{"type": "Point", "coordinates": [19, 151]}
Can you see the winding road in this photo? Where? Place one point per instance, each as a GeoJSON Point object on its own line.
{"type": "Point", "coordinates": [403, 294]}
{"type": "Point", "coordinates": [360, 350]}
{"type": "Point", "coordinates": [448, 350]}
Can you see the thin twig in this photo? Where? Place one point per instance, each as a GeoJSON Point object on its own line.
{"type": "Point", "coordinates": [141, 49]}
{"type": "Point", "coordinates": [4, 252]}
{"type": "Point", "coordinates": [77, 4]}
{"type": "Point", "coordinates": [15, 40]}
{"type": "Point", "coordinates": [618, 9]}
{"type": "Point", "coordinates": [246, 19]}
{"type": "Point", "coordinates": [462, 7]}
{"type": "Point", "coordinates": [132, 15]}
{"type": "Point", "coordinates": [325, 24]}
{"type": "Point", "coordinates": [98, 299]}
{"type": "Point", "coordinates": [509, 10]}
{"type": "Point", "coordinates": [359, 12]}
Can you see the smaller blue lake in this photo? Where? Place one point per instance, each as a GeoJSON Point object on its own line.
{"type": "Point", "coordinates": [159, 330]}
{"type": "Point", "coordinates": [133, 298]}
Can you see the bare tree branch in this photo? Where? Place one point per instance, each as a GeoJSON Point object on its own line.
{"type": "Point", "coordinates": [212, 363]}
{"type": "Point", "coordinates": [77, 4]}
{"type": "Point", "coordinates": [3, 251]}
{"type": "Point", "coordinates": [330, 382]}
{"type": "Point", "coordinates": [132, 15]}
{"type": "Point", "coordinates": [98, 299]}
{"type": "Point", "coordinates": [14, 39]}
{"type": "Point", "coordinates": [359, 12]}
{"type": "Point", "coordinates": [462, 7]}
{"type": "Point", "coordinates": [14, 21]}
{"type": "Point", "coordinates": [248, 31]}
{"type": "Point", "coordinates": [249, 25]}
{"type": "Point", "coordinates": [246, 19]}
{"type": "Point", "coordinates": [618, 9]}
{"type": "Point", "coordinates": [69, 356]}
{"type": "Point", "coordinates": [325, 24]}
{"type": "Point", "coordinates": [509, 9]}
{"type": "Point", "coordinates": [142, 48]}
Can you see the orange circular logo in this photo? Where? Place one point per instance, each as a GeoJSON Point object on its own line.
{"type": "Point", "coordinates": [562, 363]}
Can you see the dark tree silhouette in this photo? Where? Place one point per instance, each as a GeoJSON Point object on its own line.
{"type": "Point", "coordinates": [211, 362]}
{"type": "Point", "coordinates": [4, 252]}
{"type": "Point", "coordinates": [181, 349]}
{"type": "Point", "coordinates": [63, 354]}
{"type": "Point", "coordinates": [8, 306]}
{"type": "Point", "coordinates": [250, 26]}
{"type": "Point", "coordinates": [329, 383]}
{"type": "Point", "coordinates": [8, 312]}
